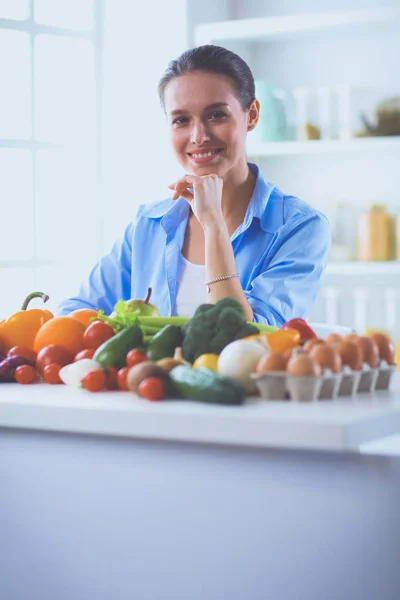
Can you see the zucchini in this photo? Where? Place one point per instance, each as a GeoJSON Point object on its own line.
{"type": "Point", "coordinates": [206, 386]}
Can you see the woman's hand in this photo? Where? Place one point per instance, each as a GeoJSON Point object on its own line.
{"type": "Point", "coordinates": [205, 199]}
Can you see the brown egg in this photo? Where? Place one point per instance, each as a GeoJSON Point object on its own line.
{"type": "Point", "coordinates": [369, 350]}
{"type": "Point", "coordinates": [302, 365]}
{"type": "Point", "coordinates": [292, 351]}
{"type": "Point", "coordinates": [334, 338]}
{"type": "Point", "coordinates": [327, 357]}
{"type": "Point", "coordinates": [350, 337]}
{"type": "Point", "coordinates": [311, 343]}
{"type": "Point", "coordinates": [274, 361]}
{"type": "Point", "coordinates": [351, 355]}
{"type": "Point", "coordinates": [385, 347]}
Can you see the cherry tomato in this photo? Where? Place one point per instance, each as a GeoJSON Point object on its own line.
{"type": "Point", "coordinates": [96, 334]}
{"type": "Point", "coordinates": [152, 388]}
{"type": "Point", "coordinates": [121, 378]}
{"type": "Point", "coordinates": [134, 357]}
{"type": "Point", "coordinates": [25, 374]}
{"type": "Point", "coordinates": [87, 353]}
{"type": "Point", "coordinates": [53, 354]}
{"type": "Point", "coordinates": [24, 351]}
{"type": "Point", "coordinates": [94, 381]}
{"type": "Point", "coordinates": [51, 373]}
{"type": "Point", "coordinates": [112, 378]}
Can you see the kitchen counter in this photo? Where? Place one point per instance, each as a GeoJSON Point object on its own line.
{"type": "Point", "coordinates": [110, 496]}
{"type": "Point", "coordinates": [340, 425]}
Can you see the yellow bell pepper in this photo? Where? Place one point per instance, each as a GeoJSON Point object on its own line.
{"type": "Point", "coordinates": [21, 328]}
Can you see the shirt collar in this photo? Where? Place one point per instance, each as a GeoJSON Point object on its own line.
{"type": "Point", "coordinates": [172, 212]}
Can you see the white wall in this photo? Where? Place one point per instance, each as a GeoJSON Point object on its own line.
{"type": "Point", "coordinates": [140, 40]}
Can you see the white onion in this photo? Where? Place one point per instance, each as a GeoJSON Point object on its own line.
{"type": "Point", "coordinates": [240, 358]}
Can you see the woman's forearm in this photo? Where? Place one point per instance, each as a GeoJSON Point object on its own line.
{"type": "Point", "coordinates": [220, 261]}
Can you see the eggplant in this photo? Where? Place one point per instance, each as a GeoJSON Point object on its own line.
{"type": "Point", "coordinates": [9, 365]}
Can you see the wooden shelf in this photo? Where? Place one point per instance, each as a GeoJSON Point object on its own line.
{"type": "Point", "coordinates": [323, 146]}
{"type": "Point", "coordinates": [264, 29]}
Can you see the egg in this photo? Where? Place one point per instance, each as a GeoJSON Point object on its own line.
{"type": "Point", "coordinates": [369, 350]}
{"type": "Point", "coordinates": [350, 354]}
{"type": "Point", "coordinates": [302, 365]}
{"type": "Point", "coordinates": [334, 338]}
{"type": "Point", "coordinates": [309, 345]}
{"type": "Point", "coordinates": [327, 357]}
{"type": "Point", "coordinates": [386, 347]}
{"type": "Point", "coordinates": [275, 361]}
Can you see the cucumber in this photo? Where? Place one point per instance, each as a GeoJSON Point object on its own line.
{"type": "Point", "coordinates": [206, 386]}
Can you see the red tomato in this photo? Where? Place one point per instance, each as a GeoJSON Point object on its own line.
{"type": "Point", "coordinates": [25, 374]}
{"type": "Point", "coordinates": [134, 357]}
{"type": "Point", "coordinates": [121, 378]}
{"type": "Point", "coordinates": [24, 351]}
{"type": "Point", "coordinates": [96, 334]}
{"type": "Point", "coordinates": [94, 381]}
{"type": "Point", "coordinates": [152, 388]}
{"type": "Point", "coordinates": [53, 354]}
{"type": "Point", "coordinates": [112, 378]}
{"type": "Point", "coordinates": [51, 373]}
{"type": "Point", "coordinates": [87, 353]}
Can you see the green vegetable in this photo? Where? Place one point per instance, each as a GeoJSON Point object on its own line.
{"type": "Point", "coordinates": [206, 386]}
{"type": "Point", "coordinates": [163, 344]}
{"type": "Point", "coordinates": [113, 352]}
{"type": "Point", "coordinates": [213, 327]}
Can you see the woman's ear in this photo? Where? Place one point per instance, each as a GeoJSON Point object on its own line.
{"type": "Point", "coordinates": [253, 115]}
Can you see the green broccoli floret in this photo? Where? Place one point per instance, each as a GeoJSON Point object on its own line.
{"type": "Point", "coordinates": [211, 329]}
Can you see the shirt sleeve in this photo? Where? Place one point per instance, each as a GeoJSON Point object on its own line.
{"type": "Point", "coordinates": [108, 281]}
{"type": "Point", "coordinates": [289, 285]}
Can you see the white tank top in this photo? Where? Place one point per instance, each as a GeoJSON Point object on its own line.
{"type": "Point", "coordinates": [191, 289]}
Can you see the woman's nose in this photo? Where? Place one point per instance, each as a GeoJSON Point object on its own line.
{"type": "Point", "coordinates": [199, 134]}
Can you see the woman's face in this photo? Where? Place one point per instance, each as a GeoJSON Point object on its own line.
{"type": "Point", "coordinates": [207, 123]}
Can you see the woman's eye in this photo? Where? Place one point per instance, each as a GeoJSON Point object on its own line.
{"type": "Point", "coordinates": [218, 114]}
{"type": "Point", "coordinates": [179, 121]}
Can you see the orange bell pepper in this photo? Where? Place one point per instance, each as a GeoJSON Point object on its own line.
{"type": "Point", "coordinates": [21, 328]}
{"type": "Point", "coordinates": [278, 341]}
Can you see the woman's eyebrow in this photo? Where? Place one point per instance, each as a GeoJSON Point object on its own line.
{"type": "Point", "coordinates": [179, 111]}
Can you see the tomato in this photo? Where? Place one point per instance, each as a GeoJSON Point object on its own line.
{"type": "Point", "coordinates": [94, 381]}
{"type": "Point", "coordinates": [112, 378]}
{"type": "Point", "coordinates": [53, 354]}
{"type": "Point", "coordinates": [152, 388]}
{"type": "Point", "coordinates": [87, 353]}
{"type": "Point", "coordinates": [121, 378]}
{"type": "Point", "coordinates": [51, 373]}
{"type": "Point", "coordinates": [134, 357]}
{"type": "Point", "coordinates": [24, 351]}
{"type": "Point", "coordinates": [96, 334]}
{"type": "Point", "coordinates": [25, 374]}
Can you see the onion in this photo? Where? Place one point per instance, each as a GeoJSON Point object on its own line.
{"type": "Point", "coordinates": [240, 358]}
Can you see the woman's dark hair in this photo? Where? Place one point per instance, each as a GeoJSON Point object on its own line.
{"type": "Point", "coordinates": [213, 59]}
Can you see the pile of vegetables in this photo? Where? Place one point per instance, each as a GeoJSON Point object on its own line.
{"type": "Point", "coordinates": [207, 358]}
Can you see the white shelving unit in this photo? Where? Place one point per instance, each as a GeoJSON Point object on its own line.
{"type": "Point", "coordinates": [372, 269]}
{"type": "Point", "coordinates": [366, 144]}
{"type": "Point", "coordinates": [281, 27]}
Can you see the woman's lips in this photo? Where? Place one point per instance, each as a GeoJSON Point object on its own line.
{"type": "Point", "coordinates": [203, 158]}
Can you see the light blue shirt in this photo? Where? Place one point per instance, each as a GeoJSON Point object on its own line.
{"type": "Point", "coordinates": [280, 250]}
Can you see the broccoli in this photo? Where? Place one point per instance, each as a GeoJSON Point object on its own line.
{"type": "Point", "coordinates": [213, 327]}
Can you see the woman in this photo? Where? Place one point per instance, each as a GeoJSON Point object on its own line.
{"type": "Point", "coordinates": [225, 231]}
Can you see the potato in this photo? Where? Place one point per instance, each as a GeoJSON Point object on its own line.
{"type": "Point", "coordinates": [142, 371]}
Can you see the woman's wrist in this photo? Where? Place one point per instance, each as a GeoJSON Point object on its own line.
{"type": "Point", "coordinates": [214, 225]}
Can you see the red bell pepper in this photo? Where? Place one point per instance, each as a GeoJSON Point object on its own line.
{"type": "Point", "coordinates": [302, 327]}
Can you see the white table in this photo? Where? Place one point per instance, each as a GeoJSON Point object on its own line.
{"type": "Point", "coordinates": [109, 496]}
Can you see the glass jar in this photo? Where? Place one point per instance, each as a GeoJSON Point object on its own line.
{"type": "Point", "coordinates": [374, 234]}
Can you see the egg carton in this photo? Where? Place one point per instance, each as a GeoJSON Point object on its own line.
{"type": "Point", "coordinates": [281, 386]}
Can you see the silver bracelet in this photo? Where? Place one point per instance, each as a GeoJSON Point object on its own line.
{"type": "Point", "coordinates": [208, 283]}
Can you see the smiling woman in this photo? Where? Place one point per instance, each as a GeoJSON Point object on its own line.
{"type": "Point", "coordinates": [225, 231]}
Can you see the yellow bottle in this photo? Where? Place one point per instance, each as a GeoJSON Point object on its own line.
{"type": "Point", "coordinates": [374, 234]}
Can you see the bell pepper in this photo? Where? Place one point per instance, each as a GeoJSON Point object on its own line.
{"type": "Point", "coordinates": [283, 339]}
{"type": "Point", "coordinates": [21, 328]}
{"type": "Point", "coordinates": [302, 326]}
